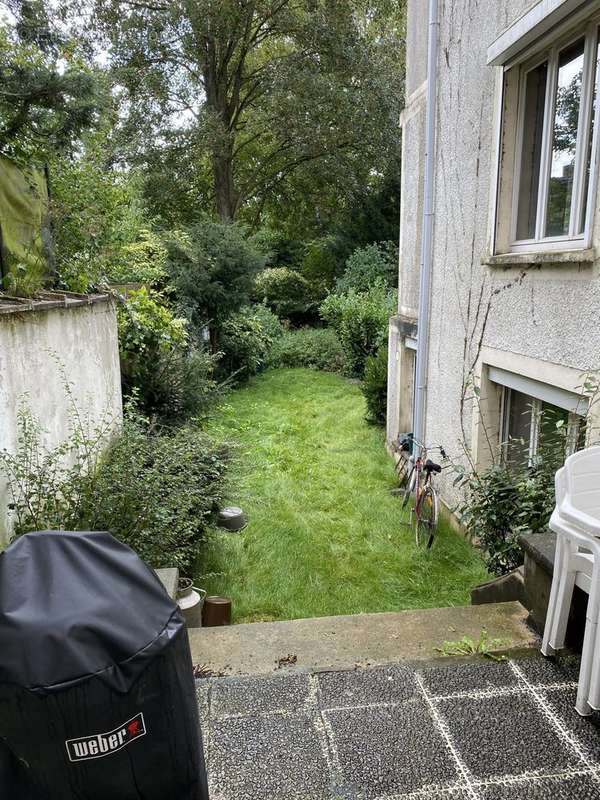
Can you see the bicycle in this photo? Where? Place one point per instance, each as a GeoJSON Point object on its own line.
{"type": "Point", "coordinates": [402, 446]}
{"type": "Point", "coordinates": [420, 483]}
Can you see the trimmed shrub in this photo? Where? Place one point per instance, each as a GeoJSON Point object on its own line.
{"type": "Point", "coordinates": [158, 493]}
{"type": "Point", "coordinates": [360, 320]}
{"type": "Point", "coordinates": [374, 386]}
{"type": "Point", "coordinates": [315, 348]}
{"type": "Point", "coordinates": [246, 339]}
{"type": "Point", "coordinates": [375, 263]}
{"type": "Point", "coordinates": [286, 292]}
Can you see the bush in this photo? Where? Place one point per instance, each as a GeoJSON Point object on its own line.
{"type": "Point", "coordinates": [315, 348]}
{"type": "Point", "coordinates": [504, 501]}
{"type": "Point", "coordinates": [246, 339]}
{"type": "Point", "coordinates": [287, 293]}
{"type": "Point", "coordinates": [142, 261]}
{"type": "Point", "coordinates": [323, 260]}
{"type": "Point", "coordinates": [212, 268]}
{"type": "Point", "coordinates": [158, 493]}
{"type": "Point", "coordinates": [374, 386]}
{"type": "Point", "coordinates": [360, 320]}
{"type": "Point", "coordinates": [95, 213]}
{"type": "Point", "coordinates": [375, 263]}
{"type": "Point", "coordinates": [155, 492]}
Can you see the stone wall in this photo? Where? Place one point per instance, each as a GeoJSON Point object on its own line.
{"type": "Point", "coordinates": [42, 346]}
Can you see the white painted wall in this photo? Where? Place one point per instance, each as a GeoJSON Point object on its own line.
{"type": "Point", "coordinates": [33, 345]}
{"type": "Point", "coordinates": [548, 314]}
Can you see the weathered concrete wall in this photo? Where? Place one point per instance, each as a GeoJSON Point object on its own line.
{"type": "Point", "coordinates": [39, 350]}
{"type": "Point", "coordinates": [547, 313]}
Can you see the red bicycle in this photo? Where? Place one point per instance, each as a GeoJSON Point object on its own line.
{"type": "Point", "coordinates": [420, 484]}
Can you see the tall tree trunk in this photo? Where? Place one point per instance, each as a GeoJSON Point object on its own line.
{"type": "Point", "coordinates": [217, 100]}
{"type": "Point", "coordinates": [225, 194]}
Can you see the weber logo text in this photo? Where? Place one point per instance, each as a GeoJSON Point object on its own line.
{"type": "Point", "coordinates": [104, 744]}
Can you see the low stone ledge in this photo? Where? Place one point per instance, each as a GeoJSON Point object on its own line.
{"type": "Point", "coordinates": [539, 568]}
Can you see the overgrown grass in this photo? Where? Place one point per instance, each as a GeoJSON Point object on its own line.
{"type": "Point", "coordinates": [325, 535]}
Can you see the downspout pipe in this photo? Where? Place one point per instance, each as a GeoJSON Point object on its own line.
{"type": "Point", "coordinates": [427, 230]}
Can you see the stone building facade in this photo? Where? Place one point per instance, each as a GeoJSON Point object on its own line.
{"type": "Point", "coordinates": [514, 330]}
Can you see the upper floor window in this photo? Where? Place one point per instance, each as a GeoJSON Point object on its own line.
{"type": "Point", "coordinates": [546, 201]}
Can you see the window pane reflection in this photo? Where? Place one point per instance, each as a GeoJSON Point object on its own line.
{"type": "Point", "coordinates": [535, 96]}
{"type": "Point", "coordinates": [564, 142]}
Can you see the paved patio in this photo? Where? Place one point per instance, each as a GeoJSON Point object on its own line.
{"type": "Point", "coordinates": [468, 730]}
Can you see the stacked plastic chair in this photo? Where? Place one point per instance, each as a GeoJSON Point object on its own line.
{"type": "Point", "coordinates": [576, 522]}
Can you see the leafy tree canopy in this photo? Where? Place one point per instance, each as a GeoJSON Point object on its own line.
{"type": "Point", "coordinates": [47, 94]}
{"type": "Point", "coordinates": [257, 106]}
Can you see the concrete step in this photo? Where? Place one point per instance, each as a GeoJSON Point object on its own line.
{"type": "Point", "coordinates": [360, 640]}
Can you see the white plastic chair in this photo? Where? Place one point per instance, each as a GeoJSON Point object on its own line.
{"type": "Point", "coordinates": [580, 504]}
{"type": "Point", "coordinates": [577, 563]}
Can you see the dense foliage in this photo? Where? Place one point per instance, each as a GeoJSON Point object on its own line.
{"type": "Point", "coordinates": [96, 219]}
{"type": "Point", "coordinates": [374, 263]}
{"type": "Point", "coordinates": [508, 499]}
{"type": "Point", "coordinates": [374, 386]}
{"type": "Point", "coordinates": [156, 491]}
{"type": "Point", "coordinates": [169, 375]}
{"type": "Point", "coordinates": [255, 109]}
{"type": "Point", "coordinates": [286, 292]}
{"type": "Point", "coordinates": [48, 94]}
{"type": "Point", "coordinates": [246, 339]}
{"type": "Point", "coordinates": [360, 320]}
{"type": "Point", "coordinates": [315, 348]}
{"type": "Point", "coordinates": [212, 267]}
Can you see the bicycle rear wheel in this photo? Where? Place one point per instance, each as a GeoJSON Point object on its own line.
{"type": "Point", "coordinates": [426, 517]}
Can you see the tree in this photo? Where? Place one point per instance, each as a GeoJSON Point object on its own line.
{"type": "Point", "coordinates": [47, 95]}
{"type": "Point", "coordinates": [212, 268]}
{"type": "Point", "coordinates": [259, 102]}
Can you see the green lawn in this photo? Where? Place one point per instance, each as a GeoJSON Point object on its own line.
{"type": "Point", "coordinates": [325, 535]}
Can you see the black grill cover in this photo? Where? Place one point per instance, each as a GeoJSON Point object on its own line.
{"type": "Point", "coordinates": [97, 696]}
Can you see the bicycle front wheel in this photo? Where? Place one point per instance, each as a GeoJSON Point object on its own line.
{"type": "Point", "coordinates": [426, 517]}
{"type": "Point", "coordinates": [409, 488]}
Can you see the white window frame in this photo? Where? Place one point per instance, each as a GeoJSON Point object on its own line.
{"type": "Point", "coordinates": [573, 427]}
{"type": "Point", "coordinates": [590, 83]}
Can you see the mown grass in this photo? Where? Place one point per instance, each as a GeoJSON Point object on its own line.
{"type": "Point", "coordinates": [325, 535]}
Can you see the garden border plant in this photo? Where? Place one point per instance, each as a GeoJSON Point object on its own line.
{"type": "Point", "coordinates": [157, 490]}
{"type": "Point", "coordinates": [503, 501]}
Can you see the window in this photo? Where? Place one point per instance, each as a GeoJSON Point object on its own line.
{"type": "Point", "coordinates": [533, 428]}
{"type": "Point", "coordinates": [554, 152]}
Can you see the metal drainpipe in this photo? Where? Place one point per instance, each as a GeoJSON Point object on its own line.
{"type": "Point", "coordinates": [427, 233]}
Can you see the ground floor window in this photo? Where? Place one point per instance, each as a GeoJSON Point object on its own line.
{"type": "Point", "coordinates": [533, 428]}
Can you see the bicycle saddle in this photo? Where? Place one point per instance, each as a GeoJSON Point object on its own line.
{"type": "Point", "coordinates": [429, 466]}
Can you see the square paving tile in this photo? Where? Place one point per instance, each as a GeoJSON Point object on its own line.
{"type": "Point", "coordinates": [258, 695]}
{"type": "Point", "coordinates": [468, 678]}
{"type": "Point", "coordinates": [391, 750]}
{"type": "Point", "coordinates": [579, 787]}
{"type": "Point", "coordinates": [545, 671]}
{"type": "Point", "coordinates": [585, 729]}
{"type": "Point", "coordinates": [346, 688]}
{"type": "Point", "coordinates": [506, 735]}
{"type": "Point", "coordinates": [269, 758]}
